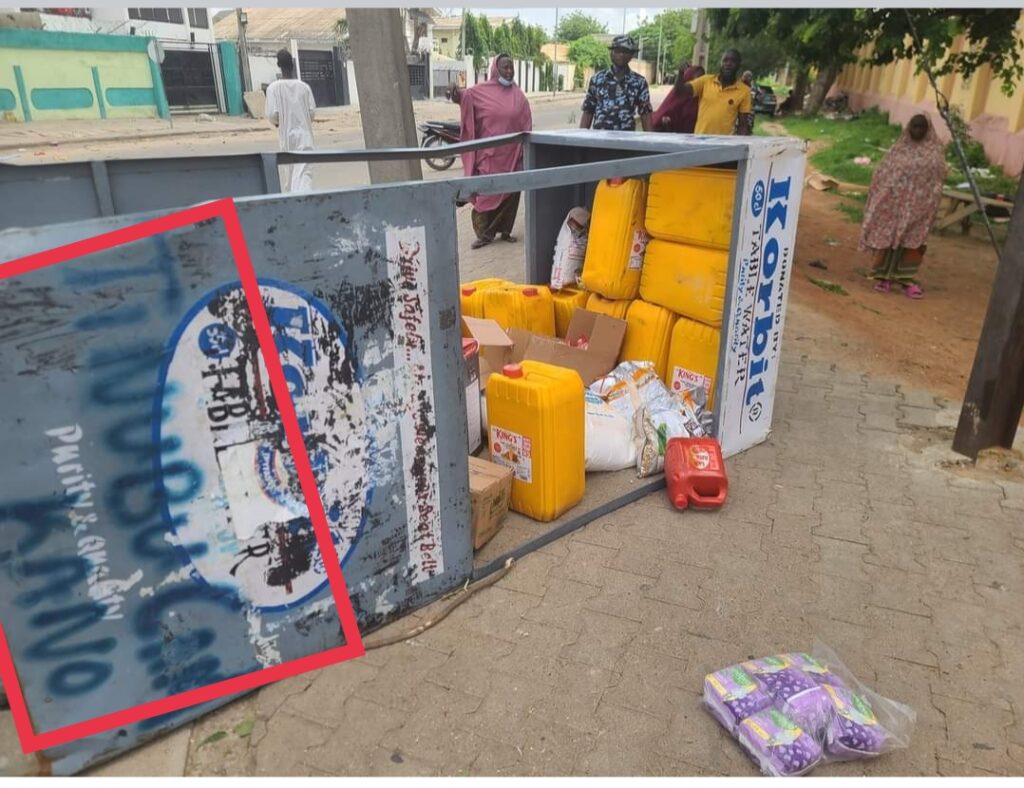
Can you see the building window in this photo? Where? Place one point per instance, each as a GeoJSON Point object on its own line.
{"type": "Point", "coordinates": [172, 15]}
{"type": "Point", "coordinates": [444, 40]}
{"type": "Point", "coordinates": [197, 17]}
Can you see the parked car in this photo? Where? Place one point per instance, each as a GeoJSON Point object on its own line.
{"type": "Point", "coordinates": [765, 100]}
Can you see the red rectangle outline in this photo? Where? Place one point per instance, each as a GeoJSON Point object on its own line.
{"type": "Point", "coordinates": [224, 210]}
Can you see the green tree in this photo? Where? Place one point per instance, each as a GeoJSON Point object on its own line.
{"type": "Point", "coordinates": [823, 38]}
{"type": "Point", "coordinates": [677, 39]}
{"type": "Point", "coordinates": [991, 39]}
{"type": "Point", "coordinates": [828, 39]}
{"type": "Point", "coordinates": [761, 55]}
{"type": "Point", "coordinates": [588, 52]}
{"type": "Point", "coordinates": [578, 25]}
{"type": "Point", "coordinates": [477, 41]}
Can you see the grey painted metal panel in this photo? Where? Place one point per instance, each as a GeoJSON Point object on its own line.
{"type": "Point", "coordinates": [116, 371]}
{"type": "Point", "coordinates": [327, 245]}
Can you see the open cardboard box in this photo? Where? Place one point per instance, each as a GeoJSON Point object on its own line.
{"type": "Point", "coordinates": [498, 347]}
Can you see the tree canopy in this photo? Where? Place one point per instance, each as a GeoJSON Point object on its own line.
{"type": "Point", "coordinates": [677, 39]}
{"type": "Point", "coordinates": [577, 25]}
{"type": "Point", "coordinates": [588, 52]}
{"type": "Point", "coordinates": [829, 38]}
{"type": "Point", "coordinates": [519, 40]}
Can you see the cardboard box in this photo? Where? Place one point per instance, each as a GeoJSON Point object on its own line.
{"type": "Point", "coordinates": [490, 487]}
{"type": "Point", "coordinates": [474, 425]}
{"type": "Point", "coordinates": [604, 335]}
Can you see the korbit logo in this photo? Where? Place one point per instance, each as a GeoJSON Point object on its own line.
{"type": "Point", "coordinates": [764, 314]}
{"type": "Point", "coordinates": [757, 199]}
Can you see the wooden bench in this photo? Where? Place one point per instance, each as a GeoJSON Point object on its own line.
{"type": "Point", "coordinates": [962, 207]}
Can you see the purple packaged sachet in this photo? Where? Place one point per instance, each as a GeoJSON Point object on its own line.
{"type": "Point", "coordinates": [778, 745]}
{"type": "Point", "coordinates": [796, 692]}
{"type": "Point", "coordinates": [815, 668]}
{"type": "Point", "coordinates": [853, 731]}
{"type": "Point", "coordinates": [732, 695]}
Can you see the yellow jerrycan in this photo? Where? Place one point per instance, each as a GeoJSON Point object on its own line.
{"type": "Point", "coordinates": [692, 206]}
{"type": "Point", "coordinates": [536, 423]}
{"type": "Point", "coordinates": [471, 295]}
{"type": "Point", "coordinates": [615, 246]}
{"type": "Point", "coordinates": [648, 335]}
{"type": "Point", "coordinates": [528, 307]}
{"type": "Point", "coordinates": [693, 357]}
{"type": "Point", "coordinates": [689, 280]}
{"type": "Point", "coordinates": [566, 301]}
{"type": "Point", "coordinates": [616, 309]}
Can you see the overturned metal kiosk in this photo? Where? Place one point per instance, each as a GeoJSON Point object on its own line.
{"type": "Point", "coordinates": [153, 538]}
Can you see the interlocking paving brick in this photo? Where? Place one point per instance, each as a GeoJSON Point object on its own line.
{"type": "Point", "coordinates": [589, 657]}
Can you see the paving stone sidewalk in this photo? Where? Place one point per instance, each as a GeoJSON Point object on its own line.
{"type": "Point", "coordinates": [589, 657]}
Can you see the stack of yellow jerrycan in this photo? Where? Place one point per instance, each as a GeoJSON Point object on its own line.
{"type": "Point", "coordinates": [689, 216]}
{"type": "Point", "coordinates": [529, 307]}
{"type": "Point", "coordinates": [536, 419]}
{"type": "Point", "coordinates": [648, 335]}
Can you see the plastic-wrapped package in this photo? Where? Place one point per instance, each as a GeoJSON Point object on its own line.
{"type": "Point", "coordinates": [570, 249]}
{"type": "Point", "coordinates": [609, 437]}
{"type": "Point", "coordinates": [779, 746]}
{"type": "Point", "coordinates": [732, 695]}
{"type": "Point", "coordinates": [635, 390]}
{"type": "Point", "coordinates": [791, 711]}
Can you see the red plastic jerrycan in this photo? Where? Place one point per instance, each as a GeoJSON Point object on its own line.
{"type": "Point", "coordinates": [695, 473]}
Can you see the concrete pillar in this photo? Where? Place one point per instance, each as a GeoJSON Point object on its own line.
{"type": "Point", "coordinates": [385, 101]}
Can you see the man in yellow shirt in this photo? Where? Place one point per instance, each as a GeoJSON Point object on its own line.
{"type": "Point", "coordinates": [724, 105]}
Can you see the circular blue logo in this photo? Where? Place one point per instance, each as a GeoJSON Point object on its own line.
{"type": "Point", "coordinates": [757, 199]}
{"type": "Point", "coordinates": [217, 340]}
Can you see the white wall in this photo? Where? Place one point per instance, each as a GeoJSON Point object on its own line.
{"type": "Point", "coordinates": [115, 20]}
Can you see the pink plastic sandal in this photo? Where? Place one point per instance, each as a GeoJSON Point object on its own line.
{"type": "Point", "coordinates": [913, 291]}
{"type": "Point", "coordinates": [883, 285]}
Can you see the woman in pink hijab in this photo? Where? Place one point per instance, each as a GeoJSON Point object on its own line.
{"type": "Point", "coordinates": [491, 109]}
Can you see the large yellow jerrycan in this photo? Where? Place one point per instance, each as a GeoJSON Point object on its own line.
{"type": "Point", "coordinates": [603, 306]}
{"type": "Point", "coordinates": [689, 280]}
{"type": "Point", "coordinates": [528, 307]}
{"type": "Point", "coordinates": [471, 295]}
{"type": "Point", "coordinates": [536, 417]}
{"type": "Point", "coordinates": [692, 206]}
{"type": "Point", "coordinates": [566, 301]}
{"type": "Point", "coordinates": [615, 246]}
{"type": "Point", "coordinates": [648, 335]}
{"type": "Point", "coordinates": [693, 357]}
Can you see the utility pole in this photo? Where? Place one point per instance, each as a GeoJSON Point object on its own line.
{"type": "Point", "coordinates": [995, 392]}
{"type": "Point", "coordinates": [554, 70]}
{"type": "Point", "coordinates": [623, 21]}
{"type": "Point", "coordinates": [657, 69]}
{"type": "Point", "coordinates": [243, 49]}
{"type": "Point", "coordinates": [378, 43]}
{"type": "Point", "coordinates": [462, 44]}
{"type": "Point", "coordinates": [700, 27]}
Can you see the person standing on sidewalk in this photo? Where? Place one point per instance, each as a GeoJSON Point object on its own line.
{"type": "Point", "coordinates": [492, 109]}
{"type": "Point", "coordinates": [290, 108]}
{"type": "Point", "coordinates": [725, 101]}
{"type": "Point", "coordinates": [617, 95]}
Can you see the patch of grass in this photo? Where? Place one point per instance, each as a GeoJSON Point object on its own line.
{"type": "Point", "coordinates": [855, 213]}
{"type": "Point", "coordinates": [216, 736]}
{"type": "Point", "coordinates": [872, 135]}
{"type": "Point", "coordinates": [869, 135]}
{"type": "Point", "coordinates": [828, 287]}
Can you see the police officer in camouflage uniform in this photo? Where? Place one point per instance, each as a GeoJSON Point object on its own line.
{"type": "Point", "coordinates": [616, 96]}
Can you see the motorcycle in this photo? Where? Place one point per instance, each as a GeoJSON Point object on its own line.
{"type": "Point", "coordinates": [437, 134]}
